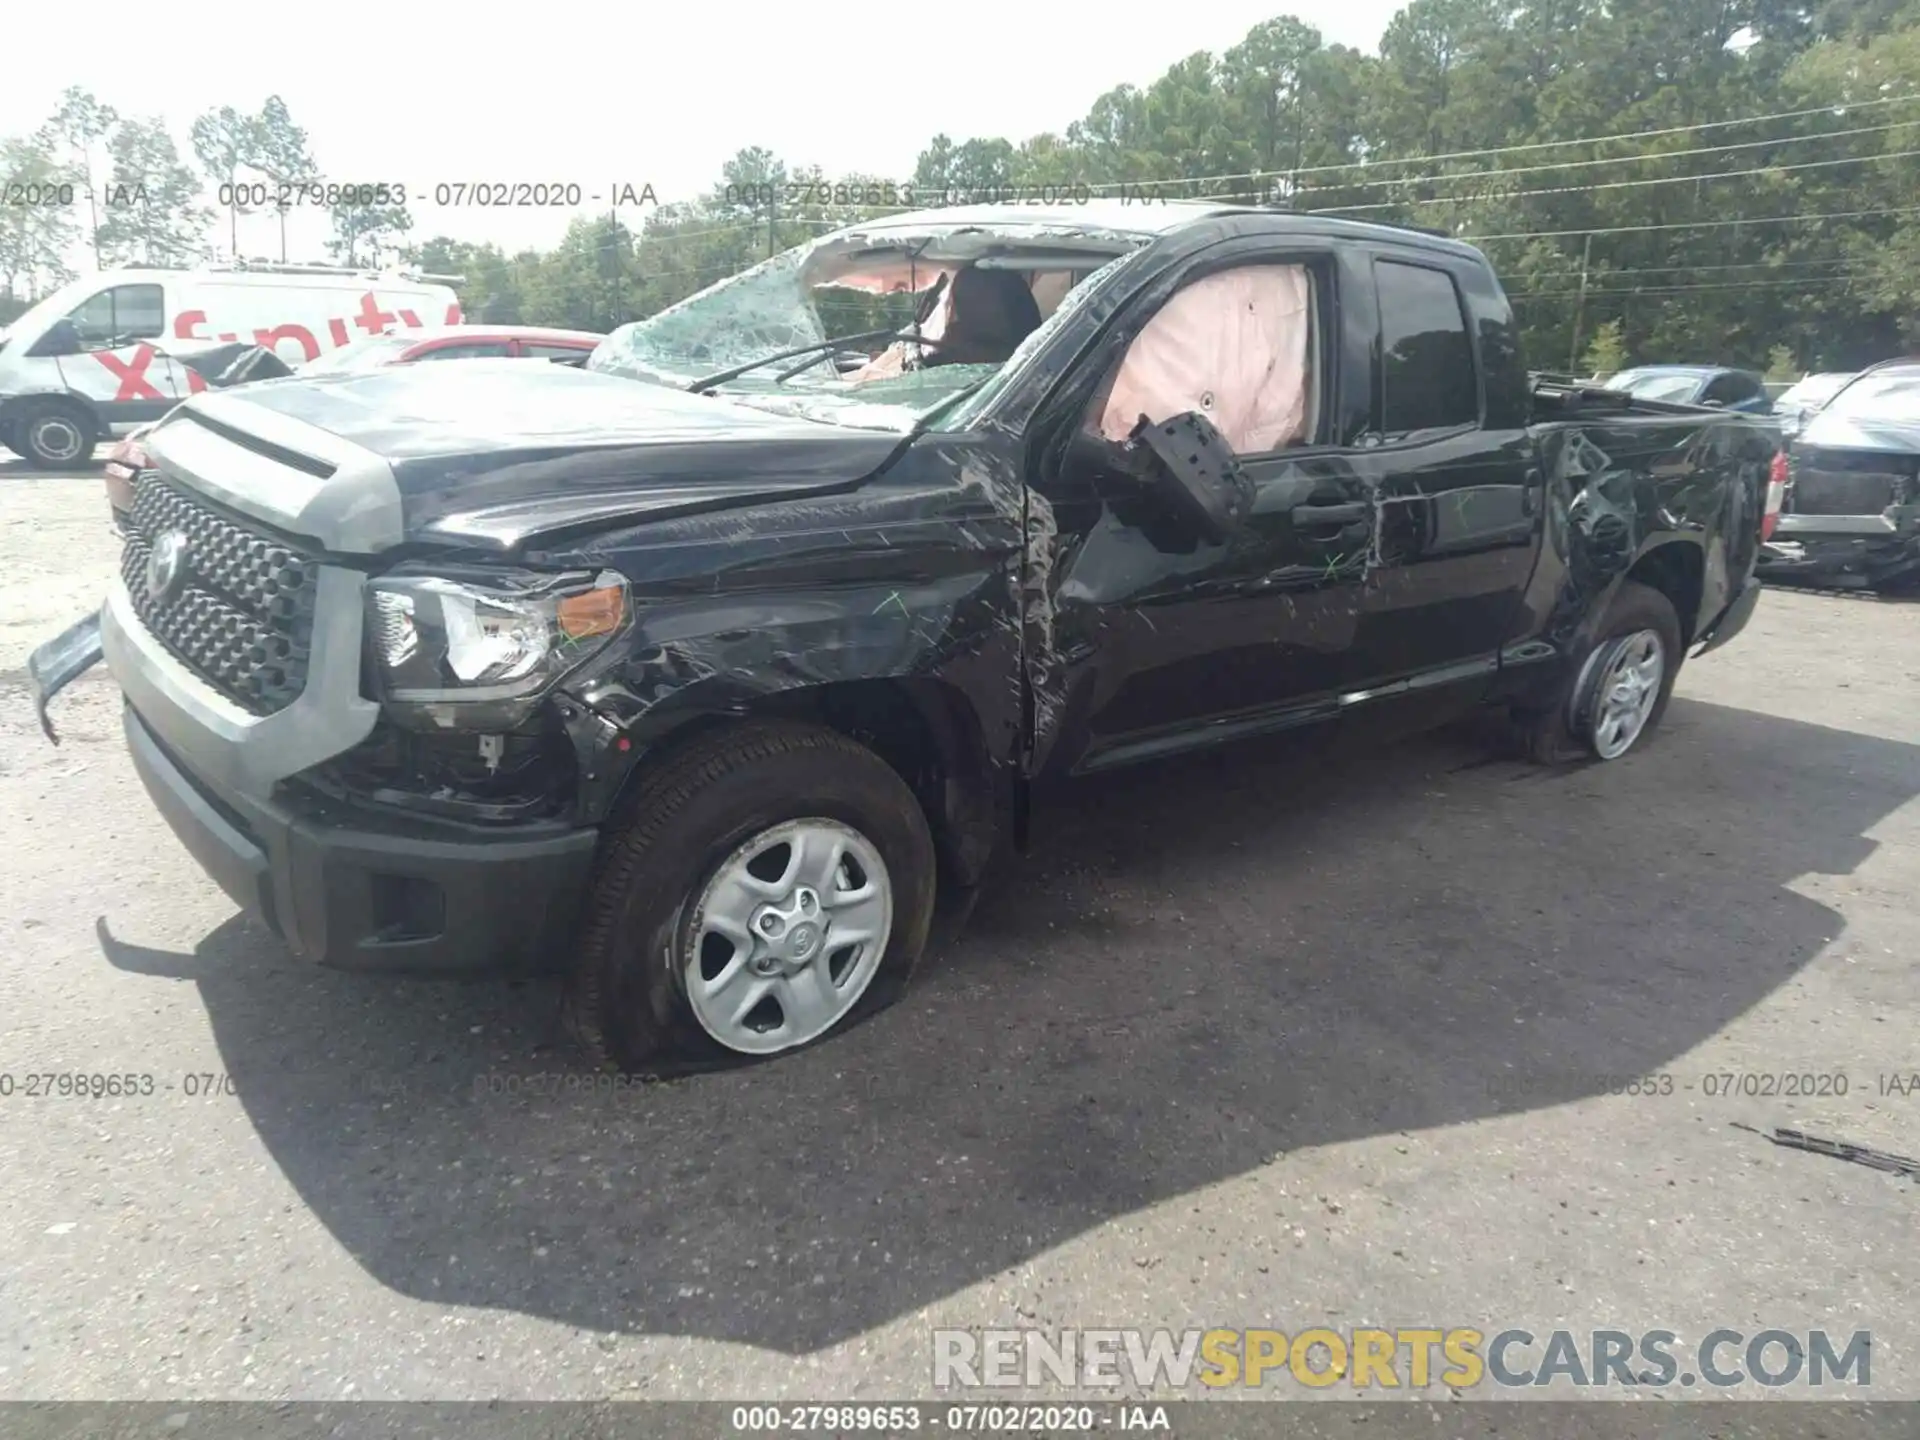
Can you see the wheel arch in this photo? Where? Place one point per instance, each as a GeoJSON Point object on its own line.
{"type": "Point", "coordinates": [1677, 568]}
{"type": "Point", "coordinates": [926, 730]}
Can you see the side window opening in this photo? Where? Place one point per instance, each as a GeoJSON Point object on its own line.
{"type": "Point", "coordinates": [1239, 346]}
{"type": "Point", "coordinates": [125, 312]}
{"type": "Point", "coordinates": [1736, 389]}
{"type": "Point", "coordinates": [1428, 377]}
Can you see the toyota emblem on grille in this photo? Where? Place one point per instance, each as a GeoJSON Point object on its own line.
{"type": "Point", "coordinates": [166, 565]}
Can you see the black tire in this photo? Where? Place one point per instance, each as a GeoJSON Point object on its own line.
{"type": "Point", "coordinates": [55, 434]}
{"type": "Point", "coordinates": [626, 1001]}
{"type": "Point", "coordinates": [1560, 733]}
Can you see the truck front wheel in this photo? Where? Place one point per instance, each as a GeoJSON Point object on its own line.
{"type": "Point", "coordinates": [1621, 689]}
{"type": "Point", "coordinates": [774, 881]}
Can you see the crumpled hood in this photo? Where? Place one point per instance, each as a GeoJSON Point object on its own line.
{"type": "Point", "coordinates": [493, 452]}
{"type": "Point", "coordinates": [1827, 431]}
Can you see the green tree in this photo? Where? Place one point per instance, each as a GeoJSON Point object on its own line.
{"type": "Point", "coordinates": [227, 143]}
{"type": "Point", "coordinates": [1607, 355]}
{"type": "Point", "coordinates": [153, 214]}
{"type": "Point", "coordinates": [280, 152]}
{"type": "Point", "coordinates": [78, 126]}
{"type": "Point", "coordinates": [368, 235]}
{"type": "Point", "coordinates": [35, 240]}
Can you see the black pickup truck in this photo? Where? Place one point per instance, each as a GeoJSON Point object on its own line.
{"type": "Point", "coordinates": [697, 672]}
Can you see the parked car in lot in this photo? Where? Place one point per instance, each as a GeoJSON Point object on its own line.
{"type": "Point", "coordinates": [458, 342]}
{"type": "Point", "coordinates": [698, 673]}
{"type": "Point", "coordinates": [1696, 385]}
{"type": "Point", "coordinates": [1804, 397]}
{"type": "Point", "coordinates": [91, 361]}
{"type": "Point", "coordinates": [1851, 516]}
{"type": "Point", "coordinates": [404, 347]}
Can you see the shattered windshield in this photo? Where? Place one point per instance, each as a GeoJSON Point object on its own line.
{"type": "Point", "coordinates": [872, 330]}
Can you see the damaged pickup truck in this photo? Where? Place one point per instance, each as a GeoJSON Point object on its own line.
{"type": "Point", "coordinates": [699, 671]}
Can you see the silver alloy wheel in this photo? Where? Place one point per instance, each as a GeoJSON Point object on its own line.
{"type": "Point", "coordinates": [1629, 687]}
{"type": "Point", "coordinates": [55, 437]}
{"type": "Point", "coordinates": [787, 935]}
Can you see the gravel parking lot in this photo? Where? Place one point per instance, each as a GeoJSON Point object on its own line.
{"type": "Point", "coordinates": [1249, 1041]}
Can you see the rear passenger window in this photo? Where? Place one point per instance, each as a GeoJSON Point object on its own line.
{"type": "Point", "coordinates": [1426, 358]}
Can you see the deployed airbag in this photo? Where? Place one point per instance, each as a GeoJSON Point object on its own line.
{"type": "Point", "coordinates": [1231, 346]}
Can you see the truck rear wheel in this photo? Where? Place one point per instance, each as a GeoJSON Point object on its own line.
{"type": "Point", "coordinates": [54, 433]}
{"type": "Point", "coordinates": [1621, 689]}
{"type": "Point", "coordinates": [774, 882]}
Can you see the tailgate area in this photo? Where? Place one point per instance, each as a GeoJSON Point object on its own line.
{"type": "Point", "coordinates": [1846, 482]}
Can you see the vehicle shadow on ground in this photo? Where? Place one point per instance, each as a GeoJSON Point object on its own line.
{"type": "Point", "coordinates": [1203, 965]}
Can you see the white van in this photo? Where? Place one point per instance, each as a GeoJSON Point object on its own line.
{"type": "Point", "coordinates": [89, 361]}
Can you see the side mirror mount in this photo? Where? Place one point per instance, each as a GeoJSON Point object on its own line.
{"type": "Point", "coordinates": [62, 338]}
{"type": "Point", "coordinates": [1196, 472]}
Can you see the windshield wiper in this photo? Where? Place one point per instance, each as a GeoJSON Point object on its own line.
{"type": "Point", "coordinates": [707, 382]}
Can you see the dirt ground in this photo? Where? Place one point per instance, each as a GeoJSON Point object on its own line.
{"type": "Point", "coordinates": [1246, 1042]}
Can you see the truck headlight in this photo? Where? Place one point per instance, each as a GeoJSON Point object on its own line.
{"type": "Point", "coordinates": [434, 640]}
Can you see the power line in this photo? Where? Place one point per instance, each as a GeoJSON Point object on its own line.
{"type": "Point", "coordinates": [1695, 269]}
{"type": "Point", "coordinates": [1829, 109]}
{"type": "Point", "coordinates": [1614, 159]}
{"type": "Point", "coordinates": [1693, 224]}
{"type": "Point", "coordinates": [733, 225]}
{"type": "Point", "coordinates": [1685, 289]}
{"type": "Point", "coordinates": [1613, 184]}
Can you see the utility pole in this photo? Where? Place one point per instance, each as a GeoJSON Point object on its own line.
{"type": "Point", "coordinates": [1299, 138]}
{"type": "Point", "coordinates": [1579, 307]}
{"type": "Point", "coordinates": [619, 267]}
{"type": "Point", "coordinates": [773, 195]}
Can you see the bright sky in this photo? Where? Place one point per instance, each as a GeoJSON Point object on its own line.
{"type": "Point", "coordinates": [602, 95]}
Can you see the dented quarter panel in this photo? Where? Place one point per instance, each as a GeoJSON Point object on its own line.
{"type": "Point", "coordinates": [1620, 489]}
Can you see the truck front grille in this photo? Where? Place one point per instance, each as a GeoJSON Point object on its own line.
{"type": "Point", "coordinates": [239, 612]}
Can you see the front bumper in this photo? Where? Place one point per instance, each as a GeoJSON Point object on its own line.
{"type": "Point", "coordinates": [357, 890]}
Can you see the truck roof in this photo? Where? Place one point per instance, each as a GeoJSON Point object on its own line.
{"type": "Point", "coordinates": [1147, 219]}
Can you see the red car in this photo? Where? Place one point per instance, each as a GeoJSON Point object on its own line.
{"type": "Point", "coordinates": [456, 342]}
{"type": "Point", "coordinates": [446, 342]}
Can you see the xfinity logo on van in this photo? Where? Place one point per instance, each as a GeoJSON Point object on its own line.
{"type": "Point", "coordinates": [370, 319]}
